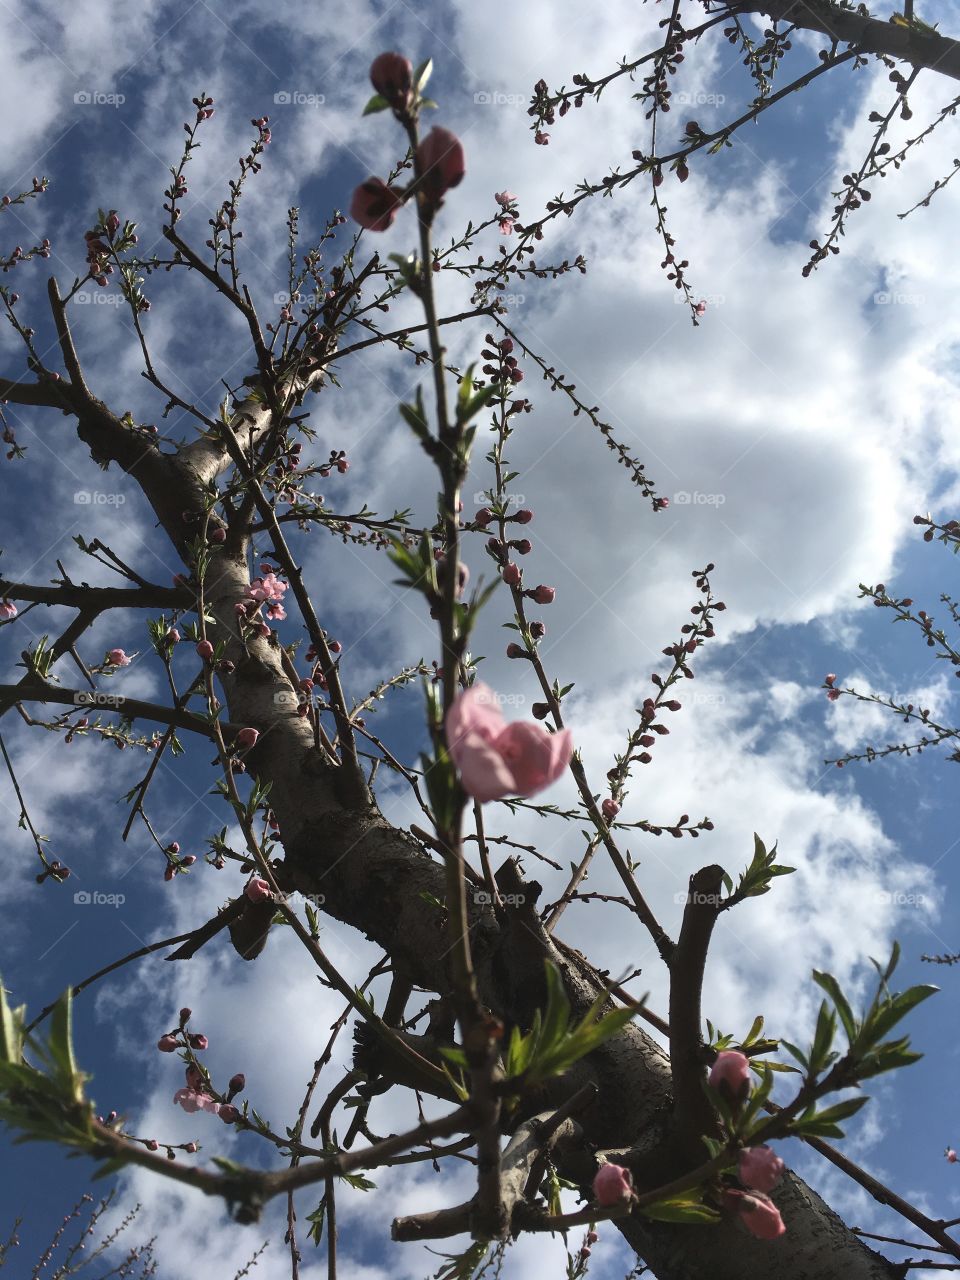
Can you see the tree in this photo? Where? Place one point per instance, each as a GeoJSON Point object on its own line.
{"type": "Point", "coordinates": [528, 1044]}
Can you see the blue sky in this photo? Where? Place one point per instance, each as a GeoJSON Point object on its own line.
{"type": "Point", "coordinates": [817, 420]}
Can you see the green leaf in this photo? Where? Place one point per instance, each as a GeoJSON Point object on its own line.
{"type": "Point", "coordinates": [422, 74]}
{"type": "Point", "coordinates": [686, 1207]}
{"type": "Point", "coordinates": [823, 1124]}
{"type": "Point", "coordinates": [828, 983]}
{"type": "Point", "coordinates": [377, 103]}
{"type": "Point", "coordinates": [61, 1046]}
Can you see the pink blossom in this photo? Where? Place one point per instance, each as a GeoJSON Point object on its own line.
{"type": "Point", "coordinates": [758, 1213]}
{"type": "Point", "coordinates": [504, 198]}
{"type": "Point", "coordinates": [192, 1101]}
{"type": "Point", "coordinates": [760, 1168]}
{"type": "Point", "coordinates": [951, 1155]}
{"type": "Point", "coordinates": [441, 163]}
{"type": "Point", "coordinates": [609, 809]}
{"type": "Point", "coordinates": [612, 1185]}
{"type": "Point", "coordinates": [730, 1074]}
{"type": "Point", "coordinates": [701, 307]}
{"type": "Point", "coordinates": [7, 609]}
{"type": "Point", "coordinates": [117, 658]}
{"type": "Point", "coordinates": [276, 612]}
{"type": "Point", "coordinates": [375, 205]}
{"type": "Point", "coordinates": [498, 759]}
{"type": "Point", "coordinates": [257, 890]}
{"type": "Point", "coordinates": [505, 225]}
{"type": "Point", "coordinates": [833, 695]}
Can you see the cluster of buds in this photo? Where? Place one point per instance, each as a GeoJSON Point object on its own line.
{"type": "Point", "coordinates": [506, 368]}
{"type": "Point", "coordinates": [507, 217]}
{"type": "Point", "coordinates": [338, 460]}
{"type": "Point", "coordinates": [197, 1094]}
{"type": "Point", "coordinates": [438, 160]}
{"type": "Point", "coordinates": [759, 1169]}
{"type": "Point", "coordinates": [175, 864]}
{"type": "Point", "coordinates": [56, 870]}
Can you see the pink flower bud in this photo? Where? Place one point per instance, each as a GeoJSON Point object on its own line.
{"type": "Point", "coordinates": [191, 1148]}
{"type": "Point", "coordinates": [229, 1113]}
{"type": "Point", "coordinates": [760, 1168]}
{"type": "Point", "coordinates": [730, 1074]}
{"type": "Point", "coordinates": [117, 658]}
{"type": "Point", "coordinates": [172, 636]}
{"type": "Point", "coordinates": [544, 595]}
{"type": "Point", "coordinates": [185, 1014]}
{"type": "Point", "coordinates": [951, 1155]}
{"type": "Point", "coordinates": [523, 516]}
{"type": "Point", "coordinates": [830, 680]}
{"type": "Point", "coordinates": [237, 1083]}
{"type": "Point", "coordinates": [151, 1144]}
{"type": "Point", "coordinates": [511, 574]}
{"type": "Point", "coordinates": [609, 809]}
{"type": "Point", "coordinates": [612, 1185]}
{"type": "Point", "coordinates": [218, 535]}
{"type": "Point", "coordinates": [758, 1213]}
{"type": "Point", "coordinates": [168, 1044]}
{"type": "Point", "coordinates": [375, 205]}
{"type": "Point", "coordinates": [483, 517]}
{"type": "Point", "coordinates": [247, 738]}
{"type": "Point", "coordinates": [392, 76]}
{"type": "Point", "coordinates": [194, 1077]}
{"type": "Point", "coordinates": [7, 609]}
{"type": "Point", "coordinates": [198, 1042]}
{"type": "Point", "coordinates": [440, 162]}
{"type": "Point", "coordinates": [205, 649]}
{"type": "Point", "coordinates": [189, 860]}
{"type": "Point", "coordinates": [258, 890]}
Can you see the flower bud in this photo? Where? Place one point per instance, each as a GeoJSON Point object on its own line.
{"type": "Point", "coordinates": [612, 1185]}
